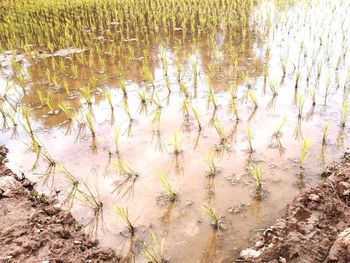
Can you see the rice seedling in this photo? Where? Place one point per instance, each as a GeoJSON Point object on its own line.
{"type": "Point", "coordinates": [25, 113]}
{"type": "Point", "coordinates": [65, 109]}
{"type": "Point", "coordinates": [257, 173]}
{"type": "Point", "coordinates": [210, 210]}
{"type": "Point", "coordinates": [249, 139]}
{"type": "Point", "coordinates": [297, 79]}
{"type": "Point", "coordinates": [49, 103]}
{"type": "Point", "coordinates": [123, 213]}
{"type": "Point", "coordinates": [304, 151]}
{"type": "Point", "coordinates": [253, 99]}
{"type": "Point", "coordinates": [123, 88]}
{"type": "Point", "coordinates": [184, 89]}
{"type": "Point", "coordinates": [176, 143]}
{"type": "Point", "coordinates": [280, 126]}
{"type": "Point", "coordinates": [211, 98]}
{"type": "Point", "coordinates": [41, 98]}
{"type": "Point", "coordinates": [86, 93]}
{"type": "Point", "coordinates": [300, 104]}
{"type": "Point", "coordinates": [210, 160]}
{"type": "Point", "coordinates": [196, 115]}
{"type": "Point", "coordinates": [164, 182]}
{"type": "Point", "coordinates": [344, 114]}
{"type": "Point", "coordinates": [90, 123]}
{"type": "Point", "coordinates": [108, 97]}
{"type": "Point", "coordinates": [116, 135]}
{"type": "Point", "coordinates": [221, 133]}
{"type": "Point", "coordinates": [153, 252]}
{"type": "Point", "coordinates": [156, 120]}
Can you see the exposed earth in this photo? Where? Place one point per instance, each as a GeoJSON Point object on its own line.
{"type": "Point", "coordinates": [32, 229]}
{"type": "Point", "coordinates": [316, 227]}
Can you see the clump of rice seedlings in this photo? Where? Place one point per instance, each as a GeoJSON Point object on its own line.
{"type": "Point", "coordinates": [86, 93]}
{"type": "Point", "coordinates": [221, 133]}
{"type": "Point", "coordinates": [41, 98]}
{"type": "Point", "coordinates": [185, 106]}
{"type": "Point", "coordinates": [210, 160]}
{"type": "Point", "coordinates": [108, 97]}
{"type": "Point", "coordinates": [90, 123]}
{"type": "Point", "coordinates": [273, 88]}
{"type": "Point", "coordinates": [344, 114]}
{"type": "Point", "coordinates": [153, 252]}
{"type": "Point", "coordinates": [146, 73]}
{"type": "Point", "coordinates": [49, 104]}
{"type": "Point", "coordinates": [304, 151]}
{"type": "Point", "coordinates": [164, 182]}
{"type": "Point", "coordinates": [196, 115]}
{"type": "Point", "coordinates": [184, 89]}
{"type": "Point", "coordinates": [123, 88]}
{"type": "Point", "coordinates": [325, 135]}
{"type": "Point", "coordinates": [67, 89]}
{"type": "Point", "coordinates": [257, 173]}
{"type": "Point", "coordinates": [210, 210]}
{"type": "Point", "coordinates": [64, 108]}
{"type": "Point", "coordinates": [300, 104]}
{"type": "Point", "coordinates": [233, 105]}
{"type": "Point", "coordinates": [74, 69]}
{"type": "Point", "coordinates": [124, 215]}
{"type": "Point", "coordinates": [176, 143]}
{"type": "Point", "coordinates": [143, 102]}
{"type": "Point", "coordinates": [249, 139]}
{"type": "Point", "coordinates": [280, 126]}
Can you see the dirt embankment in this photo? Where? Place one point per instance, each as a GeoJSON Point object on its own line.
{"type": "Point", "coordinates": [33, 230]}
{"type": "Point", "coordinates": [316, 227]}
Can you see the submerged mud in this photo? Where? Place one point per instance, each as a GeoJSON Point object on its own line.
{"type": "Point", "coordinates": [316, 226]}
{"type": "Point", "coordinates": [33, 229]}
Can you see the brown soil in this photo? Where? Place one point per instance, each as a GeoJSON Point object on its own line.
{"type": "Point", "coordinates": [316, 227]}
{"type": "Point", "coordinates": [32, 229]}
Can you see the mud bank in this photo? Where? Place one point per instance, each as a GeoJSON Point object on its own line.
{"type": "Point", "coordinates": [33, 230]}
{"type": "Point", "coordinates": [316, 227]}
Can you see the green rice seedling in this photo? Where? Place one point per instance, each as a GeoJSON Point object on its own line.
{"type": "Point", "coordinates": [325, 135]}
{"type": "Point", "coordinates": [90, 123]}
{"type": "Point", "coordinates": [146, 73]}
{"type": "Point", "coordinates": [185, 107]}
{"type": "Point", "coordinates": [164, 182]}
{"type": "Point", "coordinates": [257, 173]}
{"type": "Point", "coordinates": [124, 215]}
{"type": "Point", "coordinates": [304, 151]}
{"type": "Point", "coordinates": [195, 75]}
{"type": "Point", "coordinates": [297, 79]}
{"type": "Point", "coordinates": [284, 68]}
{"type": "Point", "coordinates": [210, 210]}
{"type": "Point", "coordinates": [273, 89]}
{"type": "Point", "coordinates": [74, 69]}
{"type": "Point", "coordinates": [210, 160]}
{"type": "Point", "coordinates": [344, 114]}
{"type": "Point", "coordinates": [41, 98]}
{"type": "Point", "coordinates": [116, 135]}
{"type": "Point", "coordinates": [211, 98]}
{"type": "Point", "coordinates": [108, 97]}
{"type": "Point", "coordinates": [4, 117]}
{"type": "Point", "coordinates": [25, 113]}
{"type": "Point", "coordinates": [86, 93]}
{"type": "Point", "coordinates": [156, 100]}
{"type": "Point", "coordinates": [126, 110]}
{"type": "Point", "coordinates": [49, 103]}
{"type": "Point", "coordinates": [67, 89]}
{"type": "Point", "coordinates": [300, 104]}
{"type": "Point", "coordinates": [233, 105]}
{"type": "Point", "coordinates": [221, 133]}
{"type": "Point", "coordinates": [153, 252]}
{"type": "Point", "coordinates": [196, 115]}
{"type": "Point", "coordinates": [142, 95]}
{"type": "Point", "coordinates": [253, 99]}
{"type": "Point", "coordinates": [123, 88]}
{"type": "Point", "coordinates": [65, 109]}
{"type": "Point", "coordinates": [249, 139]}
{"type": "Point", "coordinates": [176, 143]}
{"type": "Point", "coordinates": [184, 89]}
{"type": "Point", "coordinates": [280, 126]}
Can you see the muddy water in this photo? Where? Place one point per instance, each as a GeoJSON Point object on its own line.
{"type": "Point", "coordinates": [302, 36]}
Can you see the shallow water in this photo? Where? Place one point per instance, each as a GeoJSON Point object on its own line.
{"type": "Point", "coordinates": [294, 36]}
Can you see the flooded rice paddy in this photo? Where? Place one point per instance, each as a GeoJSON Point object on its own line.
{"type": "Point", "coordinates": [101, 126]}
